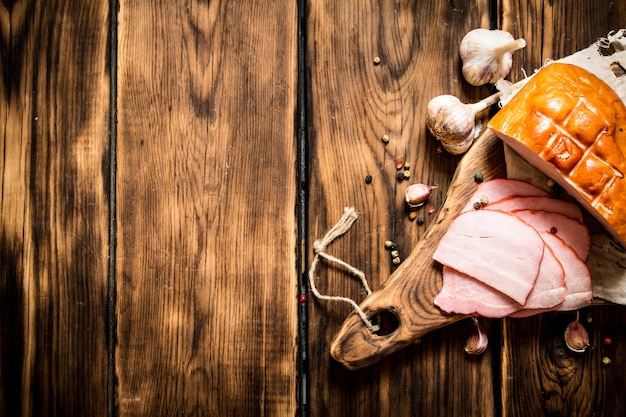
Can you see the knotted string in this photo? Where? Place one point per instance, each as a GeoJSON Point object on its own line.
{"type": "Point", "coordinates": [320, 246]}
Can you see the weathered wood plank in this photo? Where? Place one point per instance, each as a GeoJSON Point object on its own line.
{"type": "Point", "coordinates": [206, 301]}
{"type": "Point", "coordinates": [540, 376]}
{"type": "Point", "coordinates": [54, 160]}
{"type": "Point", "coordinates": [353, 103]}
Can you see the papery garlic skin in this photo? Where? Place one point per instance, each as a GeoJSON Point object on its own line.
{"type": "Point", "coordinates": [458, 148]}
{"type": "Point", "coordinates": [487, 55]}
{"type": "Point", "coordinates": [576, 337]}
{"type": "Point", "coordinates": [453, 122]}
{"type": "Point", "coordinates": [417, 194]}
{"type": "Point", "coordinates": [477, 342]}
{"type": "Point", "coordinates": [449, 120]}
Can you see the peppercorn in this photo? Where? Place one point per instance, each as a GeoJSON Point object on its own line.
{"type": "Point", "coordinates": [385, 138]}
{"type": "Point", "coordinates": [407, 173]}
{"type": "Point", "coordinates": [388, 244]}
{"type": "Point", "coordinates": [407, 165]}
{"type": "Point", "coordinates": [395, 254]}
{"type": "Point", "coordinates": [376, 60]}
{"type": "Point", "coordinates": [484, 200]}
{"type": "Point", "coordinates": [302, 298]}
{"type": "Point", "coordinates": [477, 205]}
{"type": "Point", "coordinates": [420, 220]}
{"type": "Point", "coordinates": [400, 176]}
{"type": "Point", "coordinates": [607, 341]}
{"type": "Point", "coordinates": [396, 260]}
{"type": "Point", "coordinates": [412, 215]}
{"type": "Point", "coordinates": [399, 164]}
{"type": "Point", "coordinates": [606, 361]}
{"type": "Point", "coordinates": [479, 177]}
{"type": "Point", "coordinates": [368, 179]}
{"type": "Point", "coordinates": [431, 210]}
{"type": "Point", "coordinates": [550, 183]}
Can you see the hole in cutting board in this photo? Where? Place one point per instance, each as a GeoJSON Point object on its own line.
{"type": "Point", "coordinates": [387, 322]}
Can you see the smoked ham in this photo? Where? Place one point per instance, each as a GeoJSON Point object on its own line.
{"type": "Point", "coordinates": [500, 188]}
{"type": "Point", "coordinates": [462, 294]}
{"type": "Point", "coordinates": [494, 265]}
{"type": "Point", "coordinates": [569, 230]}
{"type": "Point", "coordinates": [572, 126]}
{"type": "Point", "coordinates": [545, 204]}
{"type": "Point", "coordinates": [495, 248]}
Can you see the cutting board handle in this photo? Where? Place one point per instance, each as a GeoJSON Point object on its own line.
{"type": "Point", "coordinates": [409, 293]}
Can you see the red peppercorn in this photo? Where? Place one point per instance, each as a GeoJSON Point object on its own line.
{"type": "Point", "coordinates": [431, 210]}
{"type": "Point", "coordinates": [302, 298]}
{"type": "Point", "coordinates": [607, 341]}
{"type": "Point", "coordinates": [399, 164]}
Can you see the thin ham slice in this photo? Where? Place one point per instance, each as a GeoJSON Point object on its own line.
{"type": "Point", "coordinates": [571, 231]}
{"type": "Point", "coordinates": [496, 248]}
{"type": "Point", "coordinates": [549, 289]}
{"type": "Point", "coordinates": [462, 294]}
{"type": "Point", "coordinates": [537, 203]}
{"type": "Point", "coordinates": [577, 280]}
{"type": "Point", "coordinates": [501, 188]}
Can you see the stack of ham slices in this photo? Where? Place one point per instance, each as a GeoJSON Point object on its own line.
{"type": "Point", "coordinates": [514, 251]}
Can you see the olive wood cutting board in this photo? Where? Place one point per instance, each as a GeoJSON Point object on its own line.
{"type": "Point", "coordinates": [410, 291]}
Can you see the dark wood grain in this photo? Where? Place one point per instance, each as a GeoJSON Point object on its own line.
{"type": "Point", "coordinates": [540, 376]}
{"type": "Point", "coordinates": [54, 207]}
{"type": "Point", "coordinates": [206, 266]}
{"type": "Point", "coordinates": [205, 209]}
{"type": "Point", "coordinates": [353, 103]}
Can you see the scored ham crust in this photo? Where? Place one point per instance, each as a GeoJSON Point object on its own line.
{"type": "Point", "coordinates": [572, 126]}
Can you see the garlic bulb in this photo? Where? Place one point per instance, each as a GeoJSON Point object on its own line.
{"type": "Point", "coordinates": [487, 55]}
{"type": "Point", "coordinates": [453, 122]}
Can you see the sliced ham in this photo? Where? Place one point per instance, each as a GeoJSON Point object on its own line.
{"type": "Point", "coordinates": [462, 294]}
{"type": "Point", "coordinates": [569, 230]}
{"type": "Point", "coordinates": [496, 248]}
{"type": "Point", "coordinates": [537, 203]}
{"type": "Point", "coordinates": [521, 254]}
{"type": "Point", "coordinates": [549, 289]}
{"type": "Point", "coordinates": [577, 280]}
{"type": "Point", "coordinates": [500, 188]}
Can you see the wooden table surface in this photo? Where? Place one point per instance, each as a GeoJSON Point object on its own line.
{"type": "Point", "coordinates": [165, 167]}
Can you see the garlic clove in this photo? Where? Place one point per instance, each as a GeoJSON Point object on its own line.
{"type": "Point", "coordinates": [477, 342]}
{"type": "Point", "coordinates": [576, 336]}
{"type": "Point", "coordinates": [487, 55]}
{"type": "Point", "coordinates": [417, 194]}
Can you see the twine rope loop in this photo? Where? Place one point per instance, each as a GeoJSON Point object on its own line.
{"type": "Point", "coordinates": [320, 246]}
